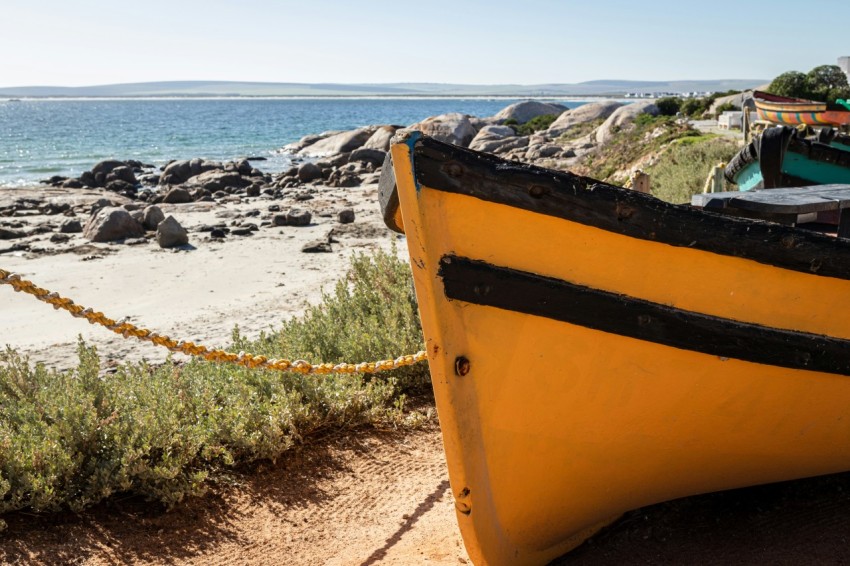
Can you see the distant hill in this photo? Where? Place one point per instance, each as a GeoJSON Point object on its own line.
{"type": "Point", "coordinates": [225, 88]}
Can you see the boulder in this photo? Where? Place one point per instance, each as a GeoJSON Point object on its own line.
{"type": "Point", "coordinates": [374, 156]}
{"type": "Point", "coordinates": [71, 226]}
{"type": "Point", "coordinates": [585, 113]}
{"type": "Point", "coordinates": [454, 128]}
{"type": "Point", "coordinates": [110, 224]}
{"type": "Point", "coordinates": [298, 217]}
{"type": "Point", "coordinates": [178, 172]}
{"type": "Point", "coordinates": [339, 143]}
{"type": "Point", "coordinates": [624, 117]}
{"type": "Point", "coordinates": [177, 195]}
{"type": "Point", "coordinates": [490, 137]}
{"type": "Point", "coordinates": [170, 233]}
{"type": "Point", "coordinates": [8, 234]}
{"type": "Point", "coordinates": [308, 141]}
{"type": "Point", "coordinates": [122, 173]}
{"type": "Point", "coordinates": [544, 150]}
{"type": "Point", "coordinates": [152, 216]}
{"type": "Point", "coordinates": [309, 172]}
{"type": "Point", "coordinates": [345, 216]}
{"type": "Point", "coordinates": [317, 246]}
{"type": "Point", "coordinates": [524, 111]}
{"type": "Point", "coordinates": [73, 184]}
{"type": "Point", "coordinates": [107, 166]}
{"type": "Point", "coordinates": [119, 186]}
{"type": "Point", "coordinates": [217, 179]}
{"type": "Point", "coordinates": [380, 140]}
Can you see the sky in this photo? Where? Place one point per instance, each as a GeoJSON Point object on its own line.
{"type": "Point", "coordinates": [95, 42]}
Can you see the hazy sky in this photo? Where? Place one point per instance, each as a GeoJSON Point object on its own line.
{"type": "Point", "coordinates": [91, 42]}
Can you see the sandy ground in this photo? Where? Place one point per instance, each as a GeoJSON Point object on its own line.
{"type": "Point", "coordinates": [371, 498]}
{"type": "Point", "coordinates": [199, 293]}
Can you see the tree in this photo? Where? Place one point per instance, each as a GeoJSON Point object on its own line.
{"type": "Point", "coordinates": [792, 83]}
{"type": "Point", "coordinates": [824, 83]}
{"type": "Point", "coordinates": [827, 83]}
{"type": "Point", "coordinates": [692, 107]}
{"type": "Point", "coordinates": [668, 106]}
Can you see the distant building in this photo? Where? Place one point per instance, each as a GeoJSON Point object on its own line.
{"type": "Point", "coordinates": [844, 64]}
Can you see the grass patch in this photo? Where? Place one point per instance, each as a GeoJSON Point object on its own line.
{"type": "Point", "coordinates": [682, 169]}
{"type": "Point", "coordinates": [648, 134]}
{"type": "Point", "coordinates": [71, 439]}
{"type": "Point", "coordinates": [580, 130]}
{"type": "Point", "coordinates": [536, 124]}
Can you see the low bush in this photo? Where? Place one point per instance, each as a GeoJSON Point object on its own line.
{"type": "Point", "coordinates": [536, 124]}
{"type": "Point", "coordinates": [71, 439]}
{"type": "Point", "coordinates": [682, 169]}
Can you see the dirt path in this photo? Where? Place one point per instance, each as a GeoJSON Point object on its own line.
{"type": "Point", "coordinates": [376, 497]}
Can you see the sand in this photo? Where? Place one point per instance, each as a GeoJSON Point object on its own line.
{"type": "Point", "coordinates": [198, 293]}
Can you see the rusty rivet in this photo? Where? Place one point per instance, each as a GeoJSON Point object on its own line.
{"type": "Point", "coordinates": [461, 366]}
{"type": "Point", "coordinates": [536, 191]}
{"type": "Point", "coordinates": [454, 170]}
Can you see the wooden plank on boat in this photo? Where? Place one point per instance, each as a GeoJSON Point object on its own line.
{"type": "Point", "coordinates": [794, 200]}
{"type": "Point", "coordinates": [559, 194]}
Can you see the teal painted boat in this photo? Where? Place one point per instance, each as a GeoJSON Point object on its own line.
{"type": "Point", "coordinates": [779, 157]}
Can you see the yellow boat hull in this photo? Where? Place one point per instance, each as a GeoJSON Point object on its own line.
{"type": "Point", "coordinates": [584, 368]}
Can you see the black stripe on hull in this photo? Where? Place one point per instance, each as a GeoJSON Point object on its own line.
{"type": "Point", "coordinates": [480, 283]}
{"type": "Point", "coordinates": [452, 169]}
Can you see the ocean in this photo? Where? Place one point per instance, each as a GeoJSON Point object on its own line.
{"type": "Point", "coordinates": [40, 138]}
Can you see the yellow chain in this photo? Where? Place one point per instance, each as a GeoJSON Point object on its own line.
{"type": "Point", "coordinates": [189, 348]}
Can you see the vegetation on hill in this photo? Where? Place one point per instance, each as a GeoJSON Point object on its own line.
{"type": "Point", "coordinates": [677, 156]}
{"type": "Point", "coordinates": [825, 83]}
{"type": "Point", "coordinates": [536, 124]}
{"type": "Point", "coordinates": [71, 439]}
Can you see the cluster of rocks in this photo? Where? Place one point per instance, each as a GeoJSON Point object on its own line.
{"type": "Point", "coordinates": [330, 159]}
{"type": "Point", "coordinates": [365, 148]}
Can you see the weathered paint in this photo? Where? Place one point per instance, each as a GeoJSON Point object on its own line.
{"type": "Point", "coordinates": [557, 428]}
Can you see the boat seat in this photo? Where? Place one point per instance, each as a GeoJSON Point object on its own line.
{"type": "Point", "coordinates": [817, 205]}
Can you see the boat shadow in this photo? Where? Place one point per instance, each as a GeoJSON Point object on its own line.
{"type": "Point", "coordinates": [796, 522]}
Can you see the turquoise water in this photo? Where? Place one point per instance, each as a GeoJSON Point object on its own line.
{"type": "Point", "coordinates": [41, 138]}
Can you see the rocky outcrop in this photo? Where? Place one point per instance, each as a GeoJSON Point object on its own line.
{"type": "Point", "coordinates": [583, 114]}
{"type": "Point", "coordinates": [492, 138]}
{"type": "Point", "coordinates": [454, 128]}
{"type": "Point", "coordinates": [110, 224]}
{"type": "Point", "coordinates": [366, 155]}
{"type": "Point", "coordinates": [526, 110]}
{"type": "Point", "coordinates": [339, 143]}
{"type": "Point", "coordinates": [380, 140]}
{"type": "Point", "coordinates": [178, 172]}
{"type": "Point", "coordinates": [623, 117]}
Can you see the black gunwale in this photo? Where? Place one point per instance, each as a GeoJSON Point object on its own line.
{"type": "Point", "coordinates": [449, 168]}
{"type": "Point", "coordinates": [480, 283]}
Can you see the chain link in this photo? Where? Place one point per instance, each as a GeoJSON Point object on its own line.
{"type": "Point", "coordinates": [127, 329]}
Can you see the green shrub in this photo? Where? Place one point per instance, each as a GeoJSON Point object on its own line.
{"type": "Point", "coordinates": [682, 169]}
{"type": "Point", "coordinates": [71, 439]}
{"type": "Point", "coordinates": [536, 124]}
{"type": "Point", "coordinates": [669, 105]}
{"type": "Point", "coordinates": [725, 107]}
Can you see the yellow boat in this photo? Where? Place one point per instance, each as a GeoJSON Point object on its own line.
{"type": "Point", "coordinates": [594, 350]}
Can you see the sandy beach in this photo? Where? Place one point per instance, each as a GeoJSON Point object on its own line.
{"type": "Point", "coordinates": [198, 292]}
